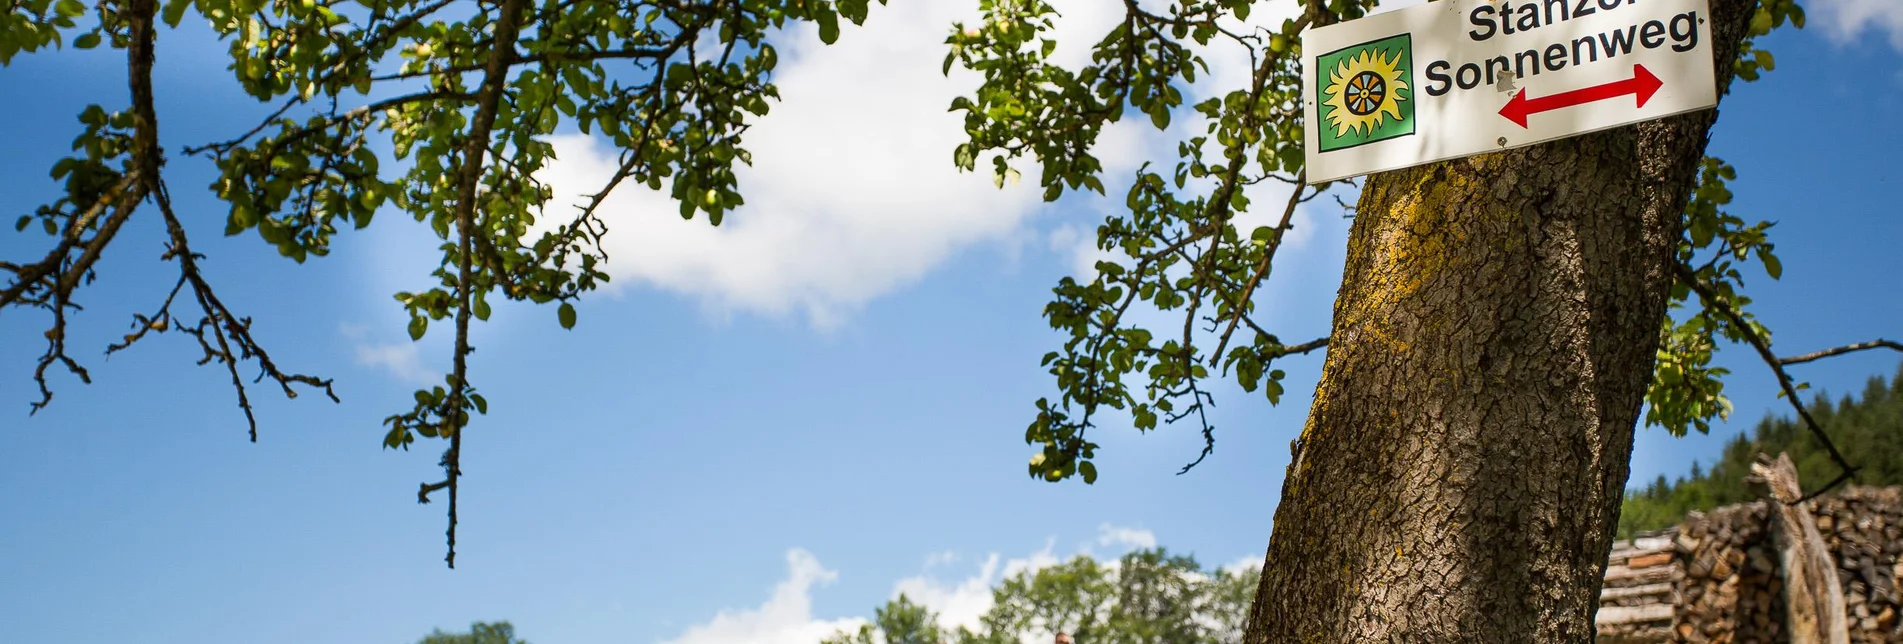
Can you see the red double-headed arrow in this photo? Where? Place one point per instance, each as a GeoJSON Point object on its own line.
{"type": "Point", "coordinates": [1642, 85]}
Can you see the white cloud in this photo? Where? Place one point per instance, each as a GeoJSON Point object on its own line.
{"type": "Point", "coordinates": [1244, 563]}
{"type": "Point", "coordinates": [1129, 538]}
{"type": "Point", "coordinates": [400, 360]}
{"type": "Point", "coordinates": [852, 193]}
{"type": "Point", "coordinates": [1126, 145]}
{"type": "Point", "coordinates": [957, 604]}
{"type": "Point", "coordinates": [962, 602]}
{"type": "Point", "coordinates": [785, 618]}
{"type": "Point", "coordinates": [1846, 20]}
{"type": "Point", "coordinates": [937, 559]}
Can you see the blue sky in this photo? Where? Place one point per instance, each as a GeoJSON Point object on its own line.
{"type": "Point", "coordinates": [764, 430]}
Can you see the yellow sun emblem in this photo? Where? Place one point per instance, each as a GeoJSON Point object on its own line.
{"type": "Point", "coordinates": [1364, 92]}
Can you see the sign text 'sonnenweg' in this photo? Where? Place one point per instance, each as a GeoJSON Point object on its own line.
{"type": "Point", "coordinates": [1461, 77]}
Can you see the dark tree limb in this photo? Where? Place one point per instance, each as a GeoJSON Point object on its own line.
{"type": "Point", "coordinates": [51, 282]}
{"type": "Point", "coordinates": [1878, 343]}
{"type": "Point", "coordinates": [488, 99]}
{"type": "Point", "coordinates": [1784, 381]}
{"type": "Point", "coordinates": [1262, 267]}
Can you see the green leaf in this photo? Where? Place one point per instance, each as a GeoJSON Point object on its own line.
{"type": "Point", "coordinates": [1089, 471]}
{"type": "Point", "coordinates": [175, 11]}
{"type": "Point", "coordinates": [567, 315]}
{"type": "Point", "coordinates": [1761, 22]}
{"type": "Point", "coordinates": [1772, 266]}
{"type": "Point", "coordinates": [418, 324]}
{"type": "Point", "coordinates": [70, 8]}
{"type": "Point", "coordinates": [828, 26]}
{"type": "Point", "coordinates": [87, 40]}
{"type": "Point", "coordinates": [482, 405]}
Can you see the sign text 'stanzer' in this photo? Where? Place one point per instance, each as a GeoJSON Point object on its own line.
{"type": "Point", "coordinates": [1680, 32]}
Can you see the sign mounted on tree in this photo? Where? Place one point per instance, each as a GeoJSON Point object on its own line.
{"type": "Point", "coordinates": [1462, 77]}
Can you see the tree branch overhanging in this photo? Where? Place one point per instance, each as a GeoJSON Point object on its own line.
{"type": "Point", "coordinates": [52, 282]}
{"type": "Point", "coordinates": [1878, 343]}
{"type": "Point", "coordinates": [488, 98]}
{"type": "Point", "coordinates": [1784, 380]}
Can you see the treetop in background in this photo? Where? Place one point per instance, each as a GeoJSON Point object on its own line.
{"type": "Point", "coordinates": [1145, 597]}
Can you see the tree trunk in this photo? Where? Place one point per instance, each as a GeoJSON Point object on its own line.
{"type": "Point", "coordinates": [1460, 476]}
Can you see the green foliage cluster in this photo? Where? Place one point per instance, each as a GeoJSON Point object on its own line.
{"type": "Point", "coordinates": [897, 622]}
{"type": "Point", "coordinates": [1869, 428]}
{"type": "Point", "coordinates": [479, 633]}
{"type": "Point", "coordinates": [1146, 597]}
{"type": "Point", "coordinates": [1175, 247]}
{"type": "Point", "coordinates": [1687, 390]}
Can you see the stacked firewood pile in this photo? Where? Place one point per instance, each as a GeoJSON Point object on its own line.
{"type": "Point", "coordinates": [1717, 579]}
{"type": "Point", "coordinates": [1863, 528]}
{"type": "Point", "coordinates": [1636, 604]}
{"type": "Point", "coordinates": [1728, 579]}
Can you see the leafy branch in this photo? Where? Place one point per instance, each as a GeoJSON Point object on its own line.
{"type": "Point", "coordinates": [465, 95]}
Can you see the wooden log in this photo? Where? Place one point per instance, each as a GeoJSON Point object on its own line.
{"type": "Point", "coordinates": [1684, 544]}
{"type": "Point", "coordinates": [1619, 576]}
{"type": "Point", "coordinates": [1635, 614]}
{"type": "Point", "coordinates": [1814, 600]}
{"type": "Point", "coordinates": [1650, 560]}
{"type": "Point", "coordinates": [1621, 552]}
{"type": "Point", "coordinates": [1662, 589]}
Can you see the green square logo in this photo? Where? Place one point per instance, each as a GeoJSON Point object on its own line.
{"type": "Point", "coordinates": [1365, 93]}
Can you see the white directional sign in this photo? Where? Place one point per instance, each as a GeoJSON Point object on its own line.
{"type": "Point", "coordinates": [1461, 77]}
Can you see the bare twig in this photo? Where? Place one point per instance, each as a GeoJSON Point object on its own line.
{"type": "Point", "coordinates": [1878, 343]}
{"type": "Point", "coordinates": [1209, 438]}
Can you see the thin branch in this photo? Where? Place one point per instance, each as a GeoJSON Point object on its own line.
{"type": "Point", "coordinates": [1878, 343]}
{"type": "Point", "coordinates": [363, 48]}
{"type": "Point", "coordinates": [1262, 267]}
{"type": "Point", "coordinates": [354, 114]}
{"type": "Point", "coordinates": [644, 53]}
{"type": "Point", "coordinates": [488, 98]}
{"type": "Point", "coordinates": [122, 198]}
{"type": "Point", "coordinates": [1304, 347]}
{"type": "Point", "coordinates": [1209, 437]}
{"type": "Point", "coordinates": [1219, 202]}
{"type": "Point", "coordinates": [1758, 342]}
{"type": "Point", "coordinates": [227, 330]}
{"type": "Point", "coordinates": [1841, 478]}
{"type": "Point", "coordinates": [422, 493]}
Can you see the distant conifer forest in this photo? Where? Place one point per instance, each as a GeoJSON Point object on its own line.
{"type": "Point", "coordinates": [1868, 428]}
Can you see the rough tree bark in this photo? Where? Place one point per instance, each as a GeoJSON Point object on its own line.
{"type": "Point", "coordinates": [1460, 476]}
